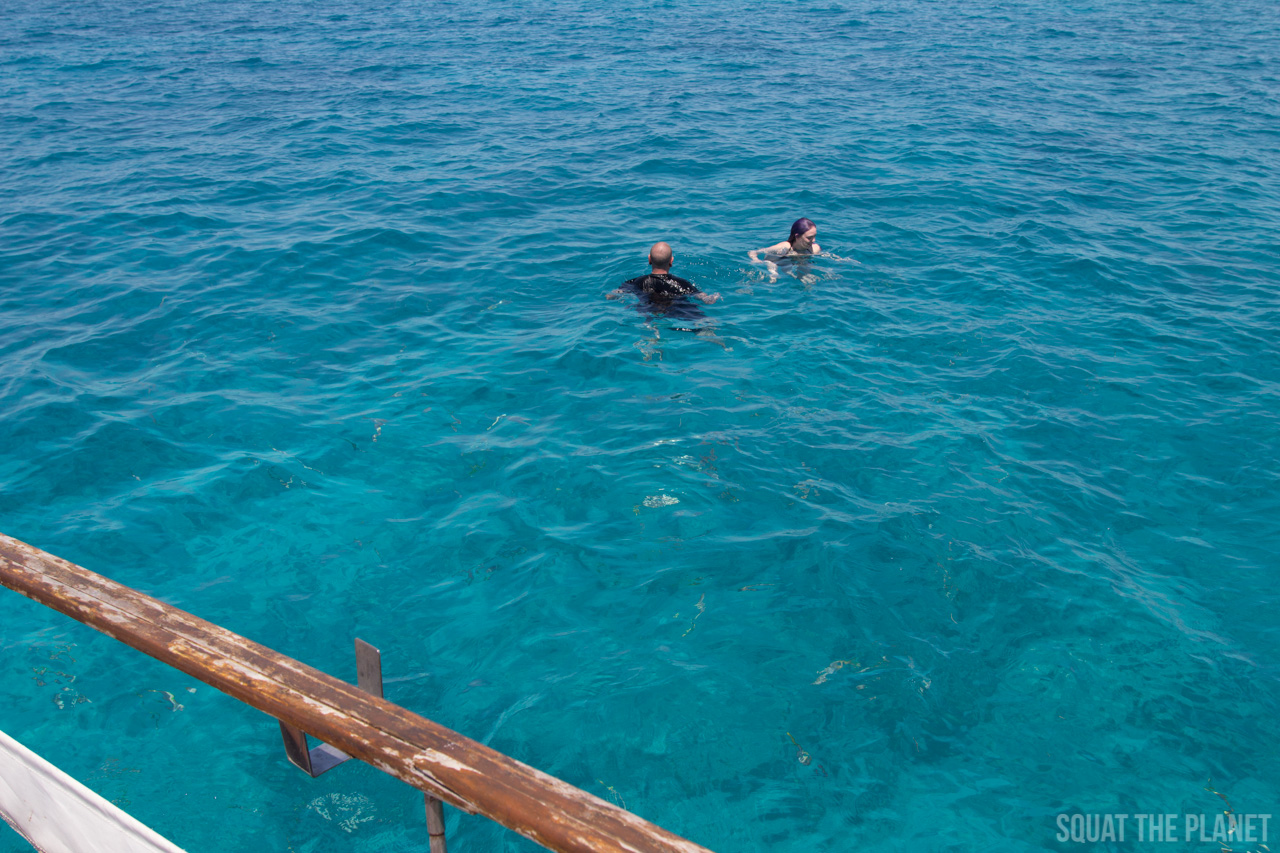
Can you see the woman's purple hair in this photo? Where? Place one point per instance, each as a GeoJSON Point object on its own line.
{"type": "Point", "coordinates": [798, 227]}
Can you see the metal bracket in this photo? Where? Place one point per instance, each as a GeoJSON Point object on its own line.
{"type": "Point", "coordinates": [318, 759]}
{"type": "Point", "coordinates": [435, 824]}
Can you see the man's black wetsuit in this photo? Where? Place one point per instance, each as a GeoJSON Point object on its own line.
{"type": "Point", "coordinates": [665, 295]}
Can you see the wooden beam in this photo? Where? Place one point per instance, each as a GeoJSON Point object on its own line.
{"type": "Point", "coordinates": [428, 756]}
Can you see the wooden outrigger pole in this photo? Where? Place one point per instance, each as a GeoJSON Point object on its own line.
{"type": "Point", "coordinates": [443, 764]}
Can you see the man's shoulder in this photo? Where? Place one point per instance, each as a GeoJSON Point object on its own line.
{"type": "Point", "coordinates": [664, 284]}
{"type": "Point", "coordinates": [682, 284]}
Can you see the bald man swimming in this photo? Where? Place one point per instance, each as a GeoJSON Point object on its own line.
{"type": "Point", "coordinates": [662, 293]}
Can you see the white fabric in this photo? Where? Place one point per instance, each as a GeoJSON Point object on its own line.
{"type": "Point", "coordinates": [59, 815]}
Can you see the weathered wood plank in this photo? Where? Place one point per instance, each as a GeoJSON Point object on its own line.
{"type": "Point", "coordinates": [432, 758]}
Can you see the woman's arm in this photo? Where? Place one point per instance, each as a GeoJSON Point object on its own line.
{"type": "Point", "coordinates": [776, 249]}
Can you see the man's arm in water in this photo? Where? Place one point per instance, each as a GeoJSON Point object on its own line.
{"type": "Point", "coordinates": [631, 285]}
{"type": "Point", "coordinates": [691, 289]}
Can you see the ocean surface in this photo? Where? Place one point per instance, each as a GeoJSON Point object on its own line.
{"type": "Point", "coordinates": [970, 522]}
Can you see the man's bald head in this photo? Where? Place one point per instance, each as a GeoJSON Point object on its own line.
{"type": "Point", "coordinates": [660, 257]}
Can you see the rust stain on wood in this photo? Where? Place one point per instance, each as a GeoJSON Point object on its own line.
{"type": "Point", "coordinates": [426, 755]}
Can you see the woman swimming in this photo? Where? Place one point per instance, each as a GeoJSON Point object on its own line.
{"type": "Point", "coordinates": [801, 242]}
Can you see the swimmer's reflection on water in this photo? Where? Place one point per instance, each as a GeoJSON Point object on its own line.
{"type": "Point", "coordinates": [663, 294]}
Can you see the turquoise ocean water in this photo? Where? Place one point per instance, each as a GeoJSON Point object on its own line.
{"type": "Point", "coordinates": [302, 329]}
